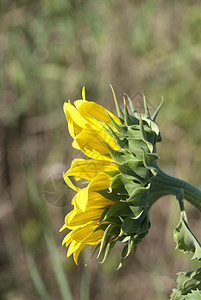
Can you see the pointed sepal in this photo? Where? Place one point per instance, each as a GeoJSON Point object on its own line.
{"type": "Point", "coordinates": [157, 110]}
{"type": "Point", "coordinates": [146, 108]}
{"type": "Point", "coordinates": [119, 111]}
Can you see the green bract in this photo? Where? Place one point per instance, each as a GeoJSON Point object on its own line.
{"type": "Point", "coordinates": [128, 218]}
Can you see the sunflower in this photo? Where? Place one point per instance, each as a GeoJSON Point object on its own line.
{"type": "Point", "coordinates": [113, 205]}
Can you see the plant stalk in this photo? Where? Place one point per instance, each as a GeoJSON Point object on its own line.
{"type": "Point", "coordinates": [163, 184]}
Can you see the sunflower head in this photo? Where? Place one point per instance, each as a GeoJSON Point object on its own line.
{"type": "Point", "coordinates": [114, 205]}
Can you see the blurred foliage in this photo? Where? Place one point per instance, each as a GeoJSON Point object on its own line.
{"type": "Point", "coordinates": [48, 50]}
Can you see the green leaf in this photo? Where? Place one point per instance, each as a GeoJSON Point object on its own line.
{"type": "Point", "coordinates": [134, 131]}
{"type": "Point", "coordinates": [194, 295]}
{"type": "Point", "coordinates": [154, 127]}
{"type": "Point", "coordinates": [123, 256]}
{"type": "Point", "coordinates": [141, 235]}
{"type": "Point", "coordinates": [150, 135]}
{"type": "Point", "coordinates": [186, 282]}
{"type": "Point", "coordinates": [144, 136]}
{"type": "Point", "coordinates": [130, 246]}
{"type": "Point", "coordinates": [134, 168]}
{"type": "Point", "coordinates": [124, 184]}
{"type": "Point", "coordinates": [148, 159]}
{"type": "Point", "coordinates": [102, 217]}
{"type": "Point", "coordinates": [145, 225]}
{"type": "Point", "coordinates": [119, 156]}
{"type": "Point", "coordinates": [135, 146]}
{"type": "Point", "coordinates": [121, 209]}
{"type": "Point", "coordinates": [106, 232]}
{"type": "Point", "coordinates": [139, 191]}
{"type": "Point", "coordinates": [101, 227]}
{"type": "Point", "coordinates": [117, 185]}
{"type": "Point", "coordinates": [189, 286]}
{"type": "Point", "coordinates": [131, 183]}
{"type": "Point", "coordinates": [141, 201]}
{"type": "Point", "coordinates": [176, 295]}
{"type": "Point", "coordinates": [159, 138]}
{"type": "Point", "coordinates": [108, 248]}
{"type": "Point", "coordinates": [139, 196]}
{"type": "Point", "coordinates": [112, 196]}
{"type": "Point", "coordinates": [136, 210]}
{"type": "Point", "coordinates": [185, 239]}
{"type": "Point", "coordinates": [133, 225]}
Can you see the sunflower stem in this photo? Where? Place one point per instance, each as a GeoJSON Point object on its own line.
{"type": "Point", "coordinates": [163, 184]}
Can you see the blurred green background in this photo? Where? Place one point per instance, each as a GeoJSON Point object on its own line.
{"type": "Point", "coordinates": [48, 50]}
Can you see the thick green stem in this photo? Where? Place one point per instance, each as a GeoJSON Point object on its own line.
{"type": "Point", "coordinates": [163, 184]}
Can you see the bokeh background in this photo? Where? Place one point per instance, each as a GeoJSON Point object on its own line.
{"type": "Point", "coordinates": [48, 50]}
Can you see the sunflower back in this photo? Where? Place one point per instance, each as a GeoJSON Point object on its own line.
{"type": "Point", "coordinates": [114, 205]}
{"type": "Point", "coordinates": [127, 220]}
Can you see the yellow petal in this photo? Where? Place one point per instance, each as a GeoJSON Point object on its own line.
{"type": "Point", "coordinates": [79, 102]}
{"type": "Point", "coordinates": [94, 112]}
{"type": "Point", "coordinates": [92, 153]}
{"type": "Point", "coordinates": [62, 228]}
{"type": "Point", "coordinates": [67, 239]}
{"type": "Point", "coordinates": [72, 247]}
{"type": "Point", "coordinates": [86, 235]}
{"type": "Point", "coordinates": [88, 169]}
{"type": "Point", "coordinates": [77, 252]}
{"type": "Point", "coordinates": [100, 182]}
{"type": "Point", "coordinates": [90, 139]}
{"type": "Point", "coordinates": [81, 198]}
{"type": "Point", "coordinates": [78, 217]}
{"type": "Point", "coordinates": [69, 216]}
{"type": "Point", "coordinates": [71, 128]}
{"type": "Point", "coordinates": [96, 201]}
{"type": "Point", "coordinates": [105, 137]}
{"type": "Point", "coordinates": [94, 140]}
{"type": "Point", "coordinates": [72, 113]}
{"type": "Point", "coordinates": [69, 183]}
{"type": "Point", "coordinates": [83, 93]}
{"type": "Point", "coordinates": [73, 200]}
